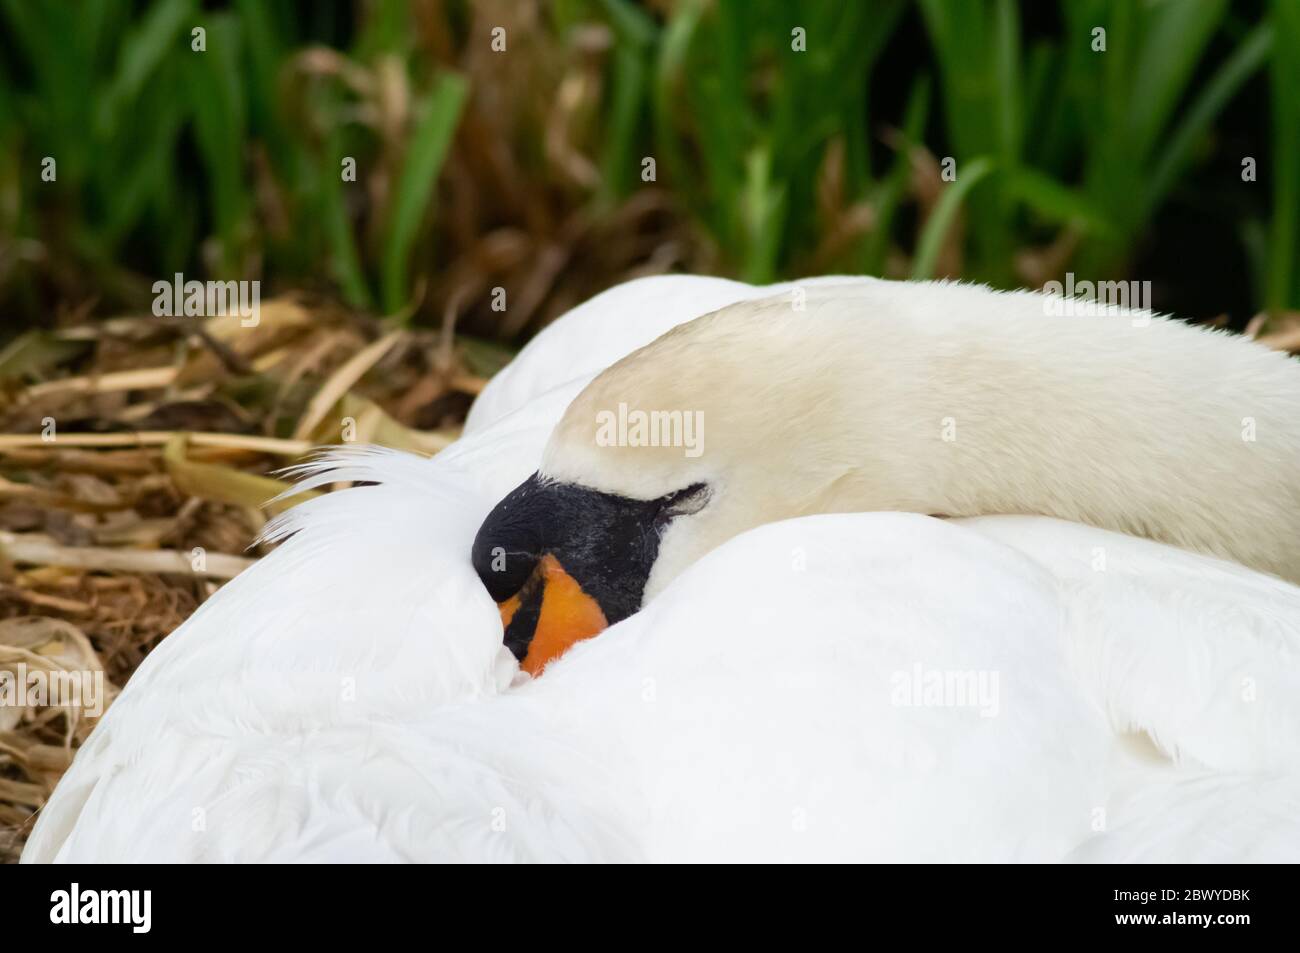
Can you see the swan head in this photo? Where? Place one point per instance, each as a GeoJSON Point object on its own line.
{"type": "Point", "coordinates": [663, 457]}
{"type": "Point", "coordinates": [564, 561]}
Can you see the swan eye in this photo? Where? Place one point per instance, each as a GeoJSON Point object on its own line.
{"type": "Point", "coordinates": [509, 573]}
{"type": "Point", "coordinates": [685, 502]}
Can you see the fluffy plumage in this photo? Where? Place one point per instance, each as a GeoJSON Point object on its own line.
{"type": "Point", "coordinates": [349, 698]}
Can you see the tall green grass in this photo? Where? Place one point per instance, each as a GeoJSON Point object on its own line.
{"type": "Point", "coordinates": [130, 111]}
{"type": "Point", "coordinates": [743, 118]}
{"type": "Point", "coordinates": [228, 162]}
{"type": "Point", "coordinates": [1090, 137]}
{"type": "Point", "coordinates": [1283, 283]}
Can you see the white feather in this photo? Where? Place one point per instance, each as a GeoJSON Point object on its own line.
{"type": "Point", "coordinates": [348, 698]}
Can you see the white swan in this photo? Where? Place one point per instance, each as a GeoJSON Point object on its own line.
{"type": "Point", "coordinates": [854, 686]}
{"type": "Point", "coordinates": [931, 398]}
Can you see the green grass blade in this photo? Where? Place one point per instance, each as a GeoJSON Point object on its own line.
{"type": "Point", "coordinates": [217, 107]}
{"type": "Point", "coordinates": [436, 119]}
{"type": "Point", "coordinates": [144, 49]}
{"type": "Point", "coordinates": [1174, 39]}
{"type": "Point", "coordinates": [1249, 56]}
{"type": "Point", "coordinates": [945, 211]}
{"type": "Point", "coordinates": [1054, 201]}
{"type": "Point", "coordinates": [762, 211]}
{"type": "Point", "coordinates": [1284, 271]}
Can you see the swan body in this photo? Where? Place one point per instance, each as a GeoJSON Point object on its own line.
{"type": "Point", "coordinates": [789, 695]}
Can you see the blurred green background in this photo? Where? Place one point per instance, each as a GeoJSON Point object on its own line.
{"type": "Point", "coordinates": [524, 168]}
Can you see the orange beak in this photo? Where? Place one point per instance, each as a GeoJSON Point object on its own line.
{"type": "Point", "coordinates": [568, 615]}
